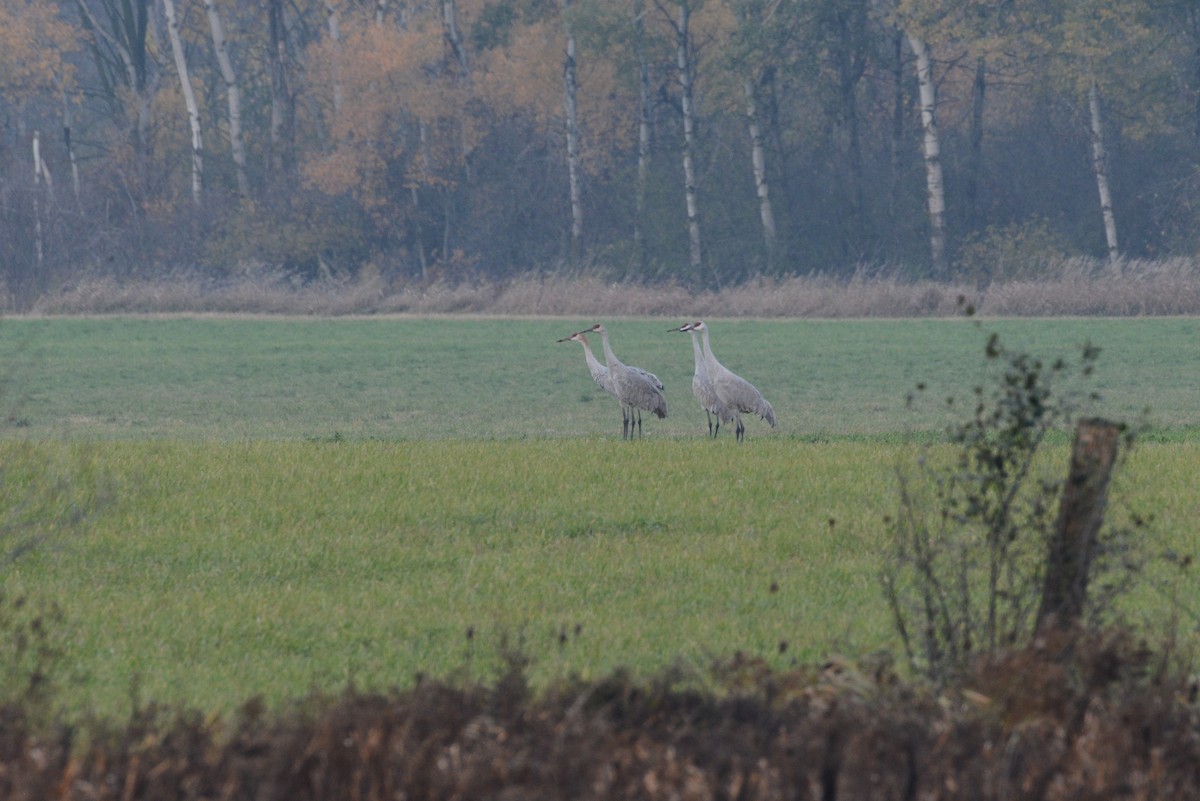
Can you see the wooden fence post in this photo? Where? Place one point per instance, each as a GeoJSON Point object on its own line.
{"type": "Point", "coordinates": [1080, 516]}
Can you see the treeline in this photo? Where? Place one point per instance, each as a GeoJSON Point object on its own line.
{"type": "Point", "coordinates": [697, 141]}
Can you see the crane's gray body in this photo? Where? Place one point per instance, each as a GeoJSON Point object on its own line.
{"type": "Point", "coordinates": [635, 389]}
{"type": "Point", "coordinates": [735, 395]}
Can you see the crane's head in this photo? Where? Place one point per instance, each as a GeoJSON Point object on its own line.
{"type": "Point", "coordinates": [579, 335]}
{"type": "Point", "coordinates": [698, 326]}
{"type": "Point", "coordinates": [576, 337]}
{"type": "Point", "coordinates": [685, 327]}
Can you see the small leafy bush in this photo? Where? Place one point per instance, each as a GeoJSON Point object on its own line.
{"type": "Point", "coordinates": [966, 560]}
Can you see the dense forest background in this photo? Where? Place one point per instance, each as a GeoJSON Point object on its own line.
{"type": "Point", "coordinates": [698, 143]}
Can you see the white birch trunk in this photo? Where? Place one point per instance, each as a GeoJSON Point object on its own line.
{"type": "Point", "coordinates": [1100, 168]}
{"type": "Point", "coordinates": [759, 162]}
{"type": "Point", "coordinates": [39, 244]}
{"type": "Point", "coordinates": [450, 30]}
{"type": "Point", "coordinates": [189, 100]}
{"type": "Point", "coordinates": [570, 88]}
{"type": "Point", "coordinates": [232, 95]}
{"type": "Point", "coordinates": [934, 185]}
{"type": "Point", "coordinates": [41, 171]}
{"type": "Point", "coordinates": [689, 134]}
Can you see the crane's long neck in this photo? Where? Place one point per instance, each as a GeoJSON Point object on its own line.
{"type": "Point", "coordinates": [697, 352]}
{"type": "Point", "coordinates": [593, 363]}
{"type": "Point", "coordinates": [609, 356]}
{"type": "Point", "coordinates": [708, 354]}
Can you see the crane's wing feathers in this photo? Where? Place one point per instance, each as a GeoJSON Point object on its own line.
{"type": "Point", "coordinates": [739, 396]}
{"type": "Point", "coordinates": [649, 376]}
{"type": "Point", "coordinates": [635, 387]}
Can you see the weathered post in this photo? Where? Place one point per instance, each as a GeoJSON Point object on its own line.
{"type": "Point", "coordinates": [1080, 516]}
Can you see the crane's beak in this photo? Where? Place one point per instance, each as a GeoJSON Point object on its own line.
{"type": "Point", "coordinates": [564, 339]}
{"type": "Point", "coordinates": [685, 327]}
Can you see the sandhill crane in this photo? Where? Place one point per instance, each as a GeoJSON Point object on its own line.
{"type": "Point", "coordinates": [599, 371]}
{"type": "Point", "coordinates": [702, 387]}
{"type": "Point", "coordinates": [634, 388]}
{"type": "Point", "coordinates": [735, 394]}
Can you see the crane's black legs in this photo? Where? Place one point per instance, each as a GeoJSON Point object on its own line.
{"type": "Point", "coordinates": [741, 429]}
{"type": "Point", "coordinates": [631, 422]}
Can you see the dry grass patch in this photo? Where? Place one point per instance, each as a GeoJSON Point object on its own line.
{"type": "Point", "coordinates": [1074, 287]}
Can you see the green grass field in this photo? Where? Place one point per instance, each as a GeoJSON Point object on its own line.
{"type": "Point", "coordinates": [286, 505]}
{"type": "Point", "coordinates": [223, 379]}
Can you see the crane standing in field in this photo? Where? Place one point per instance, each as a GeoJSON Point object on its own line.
{"type": "Point", "coordinates": [634, 388]}
{"type": "Point", "coordinates": [736, 396]}
{"type": "Point", "coordinates": [702, 387]}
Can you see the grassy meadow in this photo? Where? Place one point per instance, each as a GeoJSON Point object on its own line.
{"type": "Point", "coordinates": [393, 379]}
{"type": "Point", "coordinates": [278, 505]}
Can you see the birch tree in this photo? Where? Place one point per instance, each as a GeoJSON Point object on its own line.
{"type": "Point", "coordinates": [753, 53]}
{"type": "Point", "coordinates": [1100, 170]}
{"type": "Point", "coordinates": [41, 182]}
{"type": "Point", "coordinates": [683, 52]}
{"type": "Point", "coordinates": [189, 99]}
{"type": "Point", "coordinates": [454, 38]}
{"type": "Point", "coordinates": [935, 191]}
{"type": "Point", "coordinates": [571, 112]}
{"type": "Point", "coordinates": [233, 97]}
{"type": "Point", "coordinates": [758, 160]}
{"type": "Point", "coordinates": [1102, 53]}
